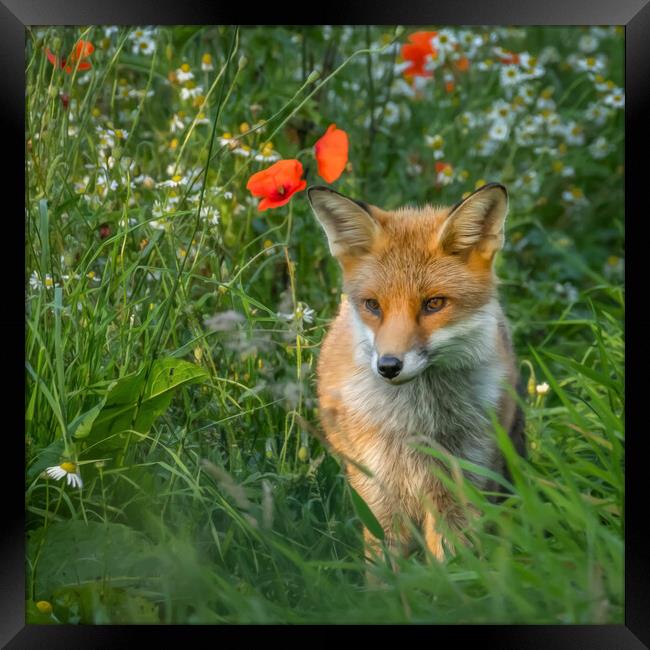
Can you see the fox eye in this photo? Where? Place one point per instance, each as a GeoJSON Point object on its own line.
{"type": "Point", "coordinates": [433, 305]}
{"type": "Point", "coordinates": [372, 305]}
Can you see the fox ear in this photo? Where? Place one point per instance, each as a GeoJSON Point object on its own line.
{"type": "Point", "coordinates": [477, 222]}
{"type": "Point", "coordinates": [348, 224]}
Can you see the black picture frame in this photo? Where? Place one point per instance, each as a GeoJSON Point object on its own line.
{"type": "Point", "coordinates": [633, 14]}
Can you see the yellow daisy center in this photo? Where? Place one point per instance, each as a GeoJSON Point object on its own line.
{"type": "Point", "coordinates": [68, 467]}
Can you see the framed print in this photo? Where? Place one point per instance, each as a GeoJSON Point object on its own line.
{"type": "Point", "coordinates": [326, 324]}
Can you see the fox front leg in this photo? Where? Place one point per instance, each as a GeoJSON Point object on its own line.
{"type": "Point", "coordinates": [432, 537]}
{"type": "Point", "coordinates": [396, 543]}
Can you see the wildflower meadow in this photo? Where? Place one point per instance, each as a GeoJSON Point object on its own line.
{"type": "Point", "coordinates": [178, 288]}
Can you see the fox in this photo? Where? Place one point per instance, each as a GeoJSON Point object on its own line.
{"type": "Point", "coordinates": [419, 352]}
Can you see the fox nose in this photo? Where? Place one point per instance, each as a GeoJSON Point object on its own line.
{"type": "Point", "coordinates": [389, 367]}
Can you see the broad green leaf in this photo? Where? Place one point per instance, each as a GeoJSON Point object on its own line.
{"type": "Point", "coordinates": [120, 411]}
{"type": "Point", "coordinates": [365, 514]}
{"type": "Point", "coordinates": [74, 552]}
{"type": "Point", "coordinates": [80, 427]}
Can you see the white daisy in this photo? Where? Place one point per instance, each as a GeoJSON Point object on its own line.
{"type": "Point", "coordinates": [499, 131]}
{"type": "Point", "coordinates": [588, 43]}
{"type": "Point", "coordinates": [527, 92]}
{"type": "Point", "coordinates": [143, 42]}
{"type": "Point", "coordinates": [302, 313]}
{"type": "Point", "coordinates": [597, 114]}
{"type": "Point", "coordinates": [445, 176]}
{"type": "Point", "coordinates": [210, 214]}
{"type": "Point", "coordinates": [267, 155]}
{"type": "Point", "coordinates": [485, 147]}
{"type": "Point", "coordinates": [574, 134]}
{"type": "Point", "coordinates": [470, 42]}
{"type": "Point", "coordinates": [599, 148]}
{"type": "Point", "coordinates": [575, 196]}
{"type": "Point", "coordinates": [591, 63]}
{"type": "Point", "coordinates": [191, 93]}
{"type": "Point", "coordinates": [139, 93]}
{"type": "Point", "coordinates": [206, 62]}
{"type": "Point", "coordinates": [177, 124]}
{"type": "Point", "coordinates": [468, 120]}
{"type": "Point", "coordinates": [67, 469]}
{"type": "Point", "coordinates": [616, 99]}
{"type": "Point", "coordinates": [510, 75]}
{"type": "Point", "coordinates": [106, 138]}
{"type": "Point", "coordinates": [144, 46]}
{"type": "Point", "coordinates": [184, 73]}
{"type": "Point", "coordinates": [391, 113]}
{"type": "Point", "coordinates": [487, 64]}
{"type": "Point", "coordinates": [529, 181]}
{"type": "Point", "coordinates": [244, 151]}
{"type": "Point", "coordinates": [437, 143]}
{"type": "Point", "coordinates": [444, 42]}
{"type": "Point", "coordinates": [174, 181]}
{"type": "Point", "coordinates": [500, 110]}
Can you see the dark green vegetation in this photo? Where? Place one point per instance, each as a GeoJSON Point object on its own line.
{"type": "Point", "coordinates": [171, 343]}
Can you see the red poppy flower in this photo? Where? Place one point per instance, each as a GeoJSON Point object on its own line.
{"type": "Point", "coordinates": [331, 152]}
{"type": "Point", "coordinates": [82, 50]}
{"type": "Point", "coordinates": [416, 52]}
{"type": "Point", "coordinates": [277, 184]}
{"type": "Point", "coordinates": [462, 64]}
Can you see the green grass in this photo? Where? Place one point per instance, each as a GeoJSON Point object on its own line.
{"type": "Point", "coordinates": [158, 362]}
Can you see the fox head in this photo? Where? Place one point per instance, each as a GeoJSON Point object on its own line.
{"type": "Point", "coordinates": [420, 282]}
